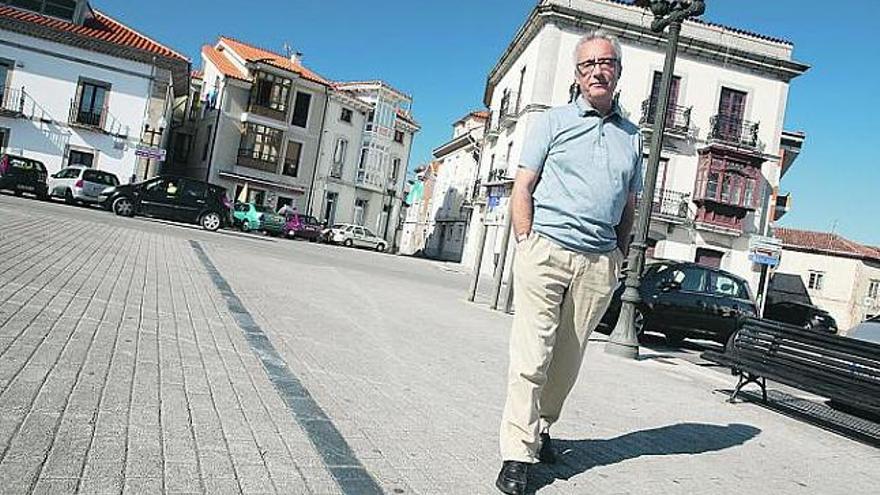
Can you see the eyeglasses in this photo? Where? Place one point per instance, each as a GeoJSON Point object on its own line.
{"type": "Point", "coordinates": [588, 66]}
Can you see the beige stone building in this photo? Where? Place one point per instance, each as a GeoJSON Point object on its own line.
{"type": "Point", "coordinates": [829, 271]}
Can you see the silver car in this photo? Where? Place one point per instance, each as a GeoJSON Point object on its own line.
{"type": "Point", "coordinates": [868, 330]}
{"type": "Point", "coordinates": [355, 235]}
{"type": "Point", "coordinates": [80, 184]}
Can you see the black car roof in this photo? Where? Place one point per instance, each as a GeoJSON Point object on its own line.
{"type": "Point", "coordinates": [695, 265]}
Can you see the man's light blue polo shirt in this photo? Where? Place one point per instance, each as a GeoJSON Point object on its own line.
{"type": "Point", "coordinates": [588, 167]}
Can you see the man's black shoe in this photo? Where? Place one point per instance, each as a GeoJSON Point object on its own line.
{"type": "Point", "coordinates": [513, 477]}
{"type": "Point", "coordinates": [547, 455]}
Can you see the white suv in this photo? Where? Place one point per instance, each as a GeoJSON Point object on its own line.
{"type": "Point", "coordinates": [80, 184]}
{"type": "Point", "coordinates": [354, 235]}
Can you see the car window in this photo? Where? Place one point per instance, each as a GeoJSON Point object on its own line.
{"type": "Point", "coordinates": [163, 188]}
{"type": "Point", "coordinates": [690, 278]}
{"type": "Point", "coordinates": [100, 177]}
{"type": "Point", "coordinates": [195, 190]}
{"type": "Point", "coordinates": [262, 209]}
{"type": "Point", "coordinates": [370, 232]}
{"type": "Point", "coordinates": [724, 285]}
{"type": "Point", "coordinates": [21, 164]}
{"type": "Point", "coordinates": [309, 220]}
{"type": "Point", "coordinates": [359, 231]}
{"type": "Point", "coordinates": [349, 228]}
{"type": "Point", "coordinates": [241, 207]}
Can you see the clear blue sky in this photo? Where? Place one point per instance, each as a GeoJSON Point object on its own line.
{"type": "Point", "coordinates": [441, 52]}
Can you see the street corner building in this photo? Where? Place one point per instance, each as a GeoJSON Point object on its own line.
{"type": "Point", "coordinates": [724, 151]}
{"type": "Point", "coordinates": [78, 87]}
{"type": "Point", "coordinates": [275, 133]}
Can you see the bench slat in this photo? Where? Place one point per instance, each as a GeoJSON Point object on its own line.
{"type": "Point", "coordinates": [835, 367]}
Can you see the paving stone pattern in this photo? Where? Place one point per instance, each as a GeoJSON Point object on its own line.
{"type": "Point", "coordinates": [123, 370]}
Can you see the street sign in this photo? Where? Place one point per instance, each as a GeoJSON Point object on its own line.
{"type": "Point", "coordinates": [764, 259]}
{"type": "Point", "coordinates": [765, 243]}
{"type": "Point", "coordinates": [150, 152]}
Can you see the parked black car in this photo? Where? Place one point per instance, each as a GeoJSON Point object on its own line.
{"type": "Point", "coordinates": [23, 175]}
{"type": "Point", "coordinates": [801, 315]}
{"type": "Point", "coordinates": [172, 198]}
{"type": "Point", "coordinates": [682, 299]}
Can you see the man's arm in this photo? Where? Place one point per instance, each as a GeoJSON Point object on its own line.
{"type": "Point", "coordinates": [624, 228]}
{"type": "Point", "coordinates": [521, 204]}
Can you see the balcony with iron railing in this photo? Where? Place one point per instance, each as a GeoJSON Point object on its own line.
{"type": "Point", "coordinates": [670, 205]}
{"type": "Point", "coordinates": [98, 119]}
{"type": "Point", "coordinates": [11, 101]}
{"type": "Point", "coordinates": [493, 127]}
{"type": "Point", "coordinates": [678, 117]}
{"type": "Point", "coordinates": [17, 102]}
{"type": "Point", "coordinates": [508, 112]}
{"type": "Point", "coordinates": [258, 160]}
{"type": "Point", "coordinates": [733, 131]}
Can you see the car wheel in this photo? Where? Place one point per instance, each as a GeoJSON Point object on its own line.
{"type": "Point", "coordinates": [245, 226]}
{"type": "Point", "coordinates": [380, 247]}
{"type": "Point", "coordinates": [123, 207]}
{"type": "Point", "coordinates": [211, 221]}
{"type": "Point", "coordinates": [17, 193]}
{"type": "Point", "coordinates": [68, 197]}
{"type": "Point", "coordinates": [348, 243]}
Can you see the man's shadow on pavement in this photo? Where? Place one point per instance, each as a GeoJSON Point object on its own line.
{"type": "Point", "coordinates": [578, 456]}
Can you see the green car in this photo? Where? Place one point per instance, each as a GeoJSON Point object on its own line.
{"type": "Point", "coordinates": [251, 216]}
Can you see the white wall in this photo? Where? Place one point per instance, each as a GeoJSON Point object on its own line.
{"type": "Point", "coordinates": [548, 59]}
{"type": "Point", "coordinates": [51, 77]}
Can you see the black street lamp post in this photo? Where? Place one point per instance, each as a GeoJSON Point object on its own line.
{"type": "Point", "coordinates": [667, 13]}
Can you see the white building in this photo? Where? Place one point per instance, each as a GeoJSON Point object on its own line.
{"type": "Point", "coordinates": [415, 223]}
{"type": "Point", "coordinates": [838, 275]}
{"type": "Point", "coordinates": [334, 150]}
{"type": "Point", "coordinates": [362, 173]}
{"type": "Point", "coordinates": [78, 87]}
{"type": "Point", "coordinates": [449, 210]}
{"type": "Point", "coordinates": [258, 123]}
{"type": "Point", "coordinates": [721, 161]}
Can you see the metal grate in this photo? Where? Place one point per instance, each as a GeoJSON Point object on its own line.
{"type": "Point", "coordinates": [820, 414]}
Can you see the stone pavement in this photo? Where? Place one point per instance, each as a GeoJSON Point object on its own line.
{"type": "Point", "coordinates": [137, 357]}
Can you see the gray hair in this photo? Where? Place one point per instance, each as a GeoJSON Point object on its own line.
{"type": "Point", "coordinates": [599, 34]}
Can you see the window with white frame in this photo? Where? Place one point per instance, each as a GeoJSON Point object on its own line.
{"type": "Point", "coordinates": [817, 280]}
{"type": "Point", "coordinates": [874, 289]}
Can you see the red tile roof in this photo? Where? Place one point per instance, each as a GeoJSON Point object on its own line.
{"type": "Point", "coordinates": [100, 27]}
{"type": "Point", "coordinates": [825, 243]}
{"type": "Point", "coordinates": [252, 54]}
{"type": "Point", "coordinates": [222, 63]}
{"type": "Point", "coordinates": [197, 74]}
{"type": "Point", "coordinates": [481, 114]}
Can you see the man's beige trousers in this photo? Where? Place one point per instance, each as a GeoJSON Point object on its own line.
{"type": "Point", "coordinates": [560, 297]}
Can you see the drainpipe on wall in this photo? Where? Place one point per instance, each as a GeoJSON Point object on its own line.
{"type": "Point", "coordinates": [318, 153]}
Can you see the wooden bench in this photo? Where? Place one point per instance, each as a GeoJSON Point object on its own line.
{"type": "Point", "coordinates": [847, 371]}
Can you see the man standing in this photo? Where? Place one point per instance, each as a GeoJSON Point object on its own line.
{"type": "Point", "coordinates": [572, 210]}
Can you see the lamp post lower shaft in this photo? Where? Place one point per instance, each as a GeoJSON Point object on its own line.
{"type": "Point", "coordinates": [624, 339]}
